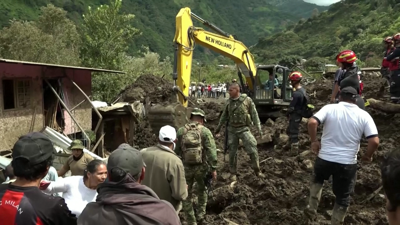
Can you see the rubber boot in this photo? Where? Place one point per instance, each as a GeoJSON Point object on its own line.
{"type": "Point", "coordinates": [256, 166]}
{"type": "Point", "coordinates": [294, 148]}
{"type": "Point", "coordinates": [338, 214]}
{"type": "Point", "coordinates": [233, 174]}
{"type": "Point", "coordinates": [313, 202]}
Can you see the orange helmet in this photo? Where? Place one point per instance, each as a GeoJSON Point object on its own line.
{"type": "Point", "coordinates": [346, 56]}
{"type": "Point", "coordinates": [295, 76]}
{"type": "Point", "coordinates": [396, 37]}
{"type": "Point", "coordinates": [388, 40]}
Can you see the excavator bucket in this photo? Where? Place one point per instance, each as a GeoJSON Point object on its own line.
{"type": "Point", "coordinates": [175, 115]}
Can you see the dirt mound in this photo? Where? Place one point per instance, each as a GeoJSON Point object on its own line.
{"type": "Point", "coordinates": [149, 88]}
{"type": "Point", "coordinates": [283, 195]}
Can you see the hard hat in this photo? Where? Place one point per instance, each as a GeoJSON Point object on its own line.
{"type": "Point", "coordinates": [396, 37]}
{"type": "Point", "coordinates": [346, 56]}
{"type": "Point", "coordinates": [295, 76]}
{"type": "Point", "coordinates": [388, 40]}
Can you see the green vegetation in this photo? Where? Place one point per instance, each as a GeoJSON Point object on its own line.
{"type": "Point", "coordinates": [351, 24]}
{"type": "Point", "coordinates": [248, 19]}
{"type": "Point", "coordinates": [298, 8]}
{"type": "Point", "coordinates": [100, 41]}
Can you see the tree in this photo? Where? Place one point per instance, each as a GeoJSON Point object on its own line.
{"type": "Point", "coordinates": [51, 39]}
{"type": "Point", "coordinates": [105, 36]}
{"type": "Point", "coordinates": [105, 33]}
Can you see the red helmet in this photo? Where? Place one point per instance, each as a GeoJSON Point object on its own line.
{"type": "Point", "coordinates": [346, 56]}
{"type": "Point", "coordinates": [396, 37]}
{"type": "Point", "coordinates": [295, 76]}
{"type": "Point", "coordinates": [388, 40]}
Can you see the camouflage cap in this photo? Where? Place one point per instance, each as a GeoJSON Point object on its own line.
{"type": "Point", "coordinates": [76, 144]}
{"type": "Point", "coordinates": [199, 112]}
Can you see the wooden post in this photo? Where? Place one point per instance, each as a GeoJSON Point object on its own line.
{"type": "Point", "coordinates": [99, 134]}
{"type": "Point", "coordinates": [132, 124]}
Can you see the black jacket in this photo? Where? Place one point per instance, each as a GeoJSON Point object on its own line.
{"type": "Point", "coordinates": [128, 203]}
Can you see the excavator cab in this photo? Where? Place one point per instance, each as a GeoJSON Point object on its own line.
{"type": "Point", "coordinates": [272, 90]}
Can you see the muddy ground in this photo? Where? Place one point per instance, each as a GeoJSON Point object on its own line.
{"type": "Point", "coordinates": [281, 197]}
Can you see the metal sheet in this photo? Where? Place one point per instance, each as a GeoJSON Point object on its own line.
{"type": "Point", "coordinates": [64, 142]}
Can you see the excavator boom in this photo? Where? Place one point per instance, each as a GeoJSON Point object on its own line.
{"type": "Point", "coordinates": [185, 40]}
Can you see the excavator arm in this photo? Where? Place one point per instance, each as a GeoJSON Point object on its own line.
{"type": "Point", "coordinates": [185, 40]}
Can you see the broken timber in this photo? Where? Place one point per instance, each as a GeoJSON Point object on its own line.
{"type": "Point", "coordinates": [383, 106]}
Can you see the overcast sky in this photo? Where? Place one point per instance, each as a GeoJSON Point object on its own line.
{"type": "Point", "coordinates": [322, 2]}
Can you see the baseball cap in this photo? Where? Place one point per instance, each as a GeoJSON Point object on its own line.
{"type": "Point", "coordinates": [348, 91]}
{"type": "Point", "coordinates": [34, 147]}
{"type": "Point", "coordinates": [167, 134]}
{"type": "Point", "coordinates": [126, 158]}
{"type": "Point", "coordinates": [199, 112]}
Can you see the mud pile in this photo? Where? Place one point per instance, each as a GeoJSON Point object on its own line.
{"type": "Point", "coordinates": [282, 196]}
{"type": "Point", "coordinates": [149, 89]}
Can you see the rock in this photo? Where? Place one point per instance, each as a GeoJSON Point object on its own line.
{"type": "Point", "coordinates": [225, 176]}
{"type": "Point", "coordinates": [269, 123]}
{"type": "Point", "coordinates": [307, 164]}
{"type": "Point", "coordinates": [267, 138]}
{"type": "Point", "coordinates": [305, 153]}
{"type": "Point", "coordinates": [283, 139]}
{"type": "Point", "coordinates": [304, 121]}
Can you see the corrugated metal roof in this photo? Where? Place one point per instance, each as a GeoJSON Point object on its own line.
{"type": "Point", "coordinates": [59, 66]}
{"type": "Point", "coordinates": [116, 106]}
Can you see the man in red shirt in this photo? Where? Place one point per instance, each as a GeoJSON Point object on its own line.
{"type": "Point", "coordinates": [21, 202]}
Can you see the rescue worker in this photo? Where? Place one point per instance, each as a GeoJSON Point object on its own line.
{"type": "Point", "coordinates": [393, 58]}
{"type": "Point", "coordinates": [390, 181]}
{"type": "Point", "coordinates": [335, 88]}
{"type": "Point", "coordinates": [385, 71]}
{"type": "Point", "coordinates": [294, 111]}
{"type": "Point", "coordinates": [346, 60]}
{"type": "Point", "coordinates": [165, 171]}
{"type": "Point", "coordinates": [344, 124]}
{"type": "Point", "coordinates": [197, 148]}
{"type": "Point", "coordinates": [77, 162]}
{"type": "Point", "coordinates": [240, 113]}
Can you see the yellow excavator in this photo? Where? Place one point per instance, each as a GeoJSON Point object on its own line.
{"type": "Point", "coordinates": [268, 102]}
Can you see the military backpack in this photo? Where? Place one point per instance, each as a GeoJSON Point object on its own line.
{"type": "Point", "coordinates": [192, 144]}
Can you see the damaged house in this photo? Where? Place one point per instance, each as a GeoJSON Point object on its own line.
{"type": "Point", "coordinates": [36, 95]}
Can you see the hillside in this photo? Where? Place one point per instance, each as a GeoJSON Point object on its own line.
{"type": "Point", "coordinates": [247, 19]}
{"type": "Point", "coordinates": [298, 8]}
{"type": "Point", "coordinates": [351, 24]}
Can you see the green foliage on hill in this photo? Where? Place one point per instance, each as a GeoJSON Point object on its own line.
{"type": "Point", "coordinates": [99, 42]}
{"type": "Point", "coordinates": [359, 25]}
{"type": "Point", "coordinates": [247, 19]}
{"type": "Point", "coordinates": [298, 8]}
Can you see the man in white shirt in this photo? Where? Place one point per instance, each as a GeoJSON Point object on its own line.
{"type": "Point", "coordinates": [344, 125]}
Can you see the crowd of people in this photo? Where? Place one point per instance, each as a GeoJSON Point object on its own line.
{"type": "Point", "coordinates": [154, 184]}
{"type": "Point", "coordinates": [202, 90]}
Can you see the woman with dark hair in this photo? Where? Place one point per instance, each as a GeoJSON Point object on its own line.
{"type": "Point", "coordinates": [79, 190]}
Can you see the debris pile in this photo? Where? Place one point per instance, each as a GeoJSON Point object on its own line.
{"type": "Point", "coordinates": [149, 89]}
{"type": "Point", "coordinates": [283, 195]}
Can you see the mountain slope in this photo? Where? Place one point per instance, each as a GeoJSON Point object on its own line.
{"type": "Point", "coordinates": [353, 24]}
{"type": "Point", "coordinates": [298, 8]}
{"type": "Point", "coordinates": [247, 19]}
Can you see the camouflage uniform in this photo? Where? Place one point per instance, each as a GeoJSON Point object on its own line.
{"type": "Point", "coordinates": [197, 173]}
{"type": "Point", "coordinates": [241, 113]}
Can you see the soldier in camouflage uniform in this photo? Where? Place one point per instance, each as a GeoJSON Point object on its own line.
{"type": "Point", "coordinates": [196, 146]}
{"type": "Point", "coordinates": [240, 112]}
